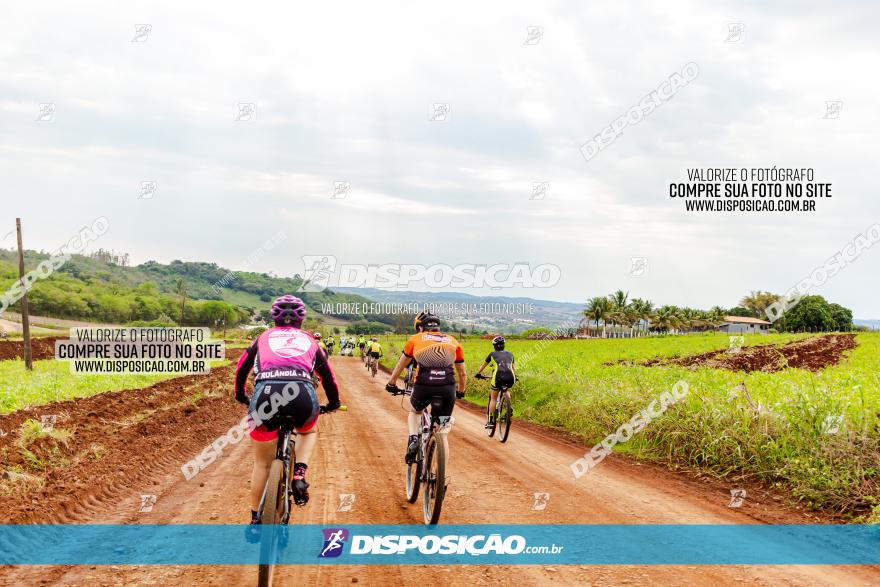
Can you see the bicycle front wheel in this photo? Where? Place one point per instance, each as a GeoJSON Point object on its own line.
{"type": "Point", "coordinates": [414, 479]}
{"type": "Point", "coordinates": [435, 483]}
{"type": "Point", "coordinates": [505, 418]}
{"type": "Point", "coordinates": [269, 516]}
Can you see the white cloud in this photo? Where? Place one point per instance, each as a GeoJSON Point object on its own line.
{"type": "Point", "coordinates": [343, 92]}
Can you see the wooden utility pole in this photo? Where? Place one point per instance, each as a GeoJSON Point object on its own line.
{"type": "Point", "coordinates": [25, 320]}
{"type": "Point", "coordinates": [181, 291]}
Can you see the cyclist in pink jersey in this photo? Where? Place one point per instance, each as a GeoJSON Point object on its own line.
{"type": "Point", "coordinates": [283, 360]}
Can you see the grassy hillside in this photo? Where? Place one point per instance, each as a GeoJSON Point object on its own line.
{"type": "Point", "coordinates": [94, 290]}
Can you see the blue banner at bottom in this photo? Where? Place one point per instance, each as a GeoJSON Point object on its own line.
{"type": "Point", "coordinates": [456, 544]}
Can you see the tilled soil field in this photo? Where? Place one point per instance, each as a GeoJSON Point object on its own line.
{"type": "Point", "coordinates": [105, 444]}
{"type": "Point", "coordinates": [42, 348]}
{"type": "Point", "coordinates": [812, 354]}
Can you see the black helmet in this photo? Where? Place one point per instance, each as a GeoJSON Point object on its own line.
{"type": "Point", "coordinates": [498, 343]}
{"type": "Point", "coordinates": [425, 319]}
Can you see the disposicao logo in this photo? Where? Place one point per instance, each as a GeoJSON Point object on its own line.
{"type": "Point", "coordinates": [334, 541]}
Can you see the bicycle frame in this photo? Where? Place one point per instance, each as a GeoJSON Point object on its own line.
{"type": "Point", "coordinates": [430, 426]}
{"type": "Point", "coordinates": [504, 391]}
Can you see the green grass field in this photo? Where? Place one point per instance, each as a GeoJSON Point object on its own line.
{"type": "Point", "coordinates": [52, 381]}
{"type": "Point", "coordinates": [778, 427]}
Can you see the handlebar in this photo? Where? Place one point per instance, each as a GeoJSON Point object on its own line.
{"type": "Point", "coordinates": [394, 390]}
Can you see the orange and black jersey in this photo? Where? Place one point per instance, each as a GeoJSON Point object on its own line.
{"type": "Point", "coordinates": [435, 354]}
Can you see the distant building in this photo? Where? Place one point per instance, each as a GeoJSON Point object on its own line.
{"type": "Point", "coordinates": [744, 325]}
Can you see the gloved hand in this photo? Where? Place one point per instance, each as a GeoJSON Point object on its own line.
{"type": "Point", "coordinates": [459, 394]}
{"type": "Point", "coordinates": [242, 398]}
{"type": "Point", "coordinates": [329, 407]}
{"type": "Point", "coordinates": [392, 388]}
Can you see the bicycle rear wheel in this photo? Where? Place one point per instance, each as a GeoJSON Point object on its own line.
{"type": "Point", "coordinates": [435, 483]}
{"type": "Point", "coordinates": [375, 366]}
{"type": "Point", "coordinates": [505, 418]}
{"type": "Point", "coordinates": [269, 515]}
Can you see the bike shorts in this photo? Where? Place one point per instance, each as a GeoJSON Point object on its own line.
{"type": "Point", "coordinates": [374, 355]}
{"type": "Point", "coordinates": [423, 394]}
{"type": "Point", "coordinates": [502, 379]}
{"type": "Point", "coordinates": [361, 346]}
{"type": "Point", "coordinates": [275, 399]}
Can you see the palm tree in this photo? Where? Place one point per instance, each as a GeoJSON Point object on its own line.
{"type": "Point", "coordinates": [618, 306]}
{"type": "Point", "coordinates": [690, 318]}
{"type": "Point", "coordinates": [716, 316]}
{"type": "Point", "coordinates": [597, 309]}
{"type": "Point", "coordinates": [668, 319]}
{"type": "Point", "coordinates": [643, 310]}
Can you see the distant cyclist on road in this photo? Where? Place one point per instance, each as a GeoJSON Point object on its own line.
{"type": "Point", "coordinates": [362, 344]}
{"type": "Point", "coordinates": [374, 349]}
{"type": "Point", "coordinates": [439, 358]}
{"type": "Point", "coordinates": [321, 343]}
{"type": "Point", "coordinates": [503, 375]}
{"type": "Point", "coordinates": [283, 360]}
{"type": "Point", "coordinates": [331, 342]}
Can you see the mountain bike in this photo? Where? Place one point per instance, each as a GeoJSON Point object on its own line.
{"type": "Point", "coordinates": [503, 413]}
{"type": "Point", "coordinates": [429, 468]}
{"type": "Point", "coordinates": [275, 503]}
{"type": "Point", "coordinates": [372, 364]}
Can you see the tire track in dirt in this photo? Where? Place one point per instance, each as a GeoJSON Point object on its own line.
{"type": "Point", "coordinates": [361, 452]}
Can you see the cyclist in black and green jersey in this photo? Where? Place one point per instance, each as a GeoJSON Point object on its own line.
{"type": "Point", "coordinates": [362, 344]}
{"type": "Point", "coordinates": [503, 376]}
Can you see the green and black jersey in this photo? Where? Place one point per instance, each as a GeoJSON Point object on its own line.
{"type": "Point", "coordinates": [502, 375]}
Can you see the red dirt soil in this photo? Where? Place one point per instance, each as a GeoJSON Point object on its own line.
{"type": "Point", "coordinates": [812, 354]}
{"type": "Point", "coordinates": [42, 348]}
{"type": "Point", "coordinates": [118, 438]}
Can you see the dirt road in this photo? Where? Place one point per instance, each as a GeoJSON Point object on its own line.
{"type": "Point", "coordinates": [361, 452]}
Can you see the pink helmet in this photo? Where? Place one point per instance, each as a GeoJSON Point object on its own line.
{"type": "Point", "coordinates": [288, 311]}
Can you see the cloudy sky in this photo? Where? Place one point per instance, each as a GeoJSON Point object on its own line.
{"type": "Point", "coordinates": [345, 92]}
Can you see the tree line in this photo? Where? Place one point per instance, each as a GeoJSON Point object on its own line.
{"type": "Point", "coordinates": [641, 316]}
